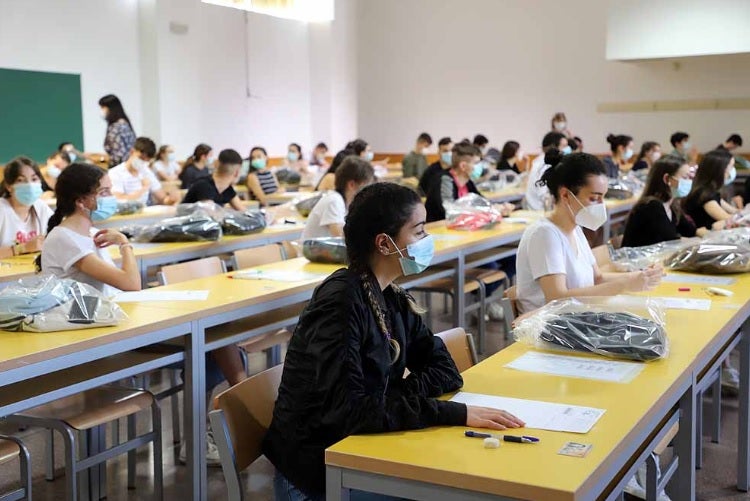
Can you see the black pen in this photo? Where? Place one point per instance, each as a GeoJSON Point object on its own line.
{"type": "Point", "coordinates": [523, 439]}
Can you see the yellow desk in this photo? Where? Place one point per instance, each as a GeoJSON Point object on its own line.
{"type": "Point", "coordinates": [14, 268]}
{"type": "Point", "coordinates": [512, 195]}
{"type": "Point", "coordinates": [150, 215]}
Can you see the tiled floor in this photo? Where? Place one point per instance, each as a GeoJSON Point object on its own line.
{"type": "Point", "coordinates": [715, 480]}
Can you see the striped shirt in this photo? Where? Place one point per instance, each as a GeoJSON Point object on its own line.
{"type": "Point", "coordinates": [267, 181]}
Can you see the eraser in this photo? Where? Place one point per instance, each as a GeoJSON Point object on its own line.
{"type": "Point", "coordinates": [684, 289]}
{"type": "Point", "coordinates": [491, 443]}
{"type": "Point", "coordinates": [720, 292]}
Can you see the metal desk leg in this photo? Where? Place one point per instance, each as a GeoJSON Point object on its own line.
{"type": "Point", "coordinates": [334, 487]}
{"type": "Point", "coordinates": [743, 437]}
{"type": "Point", "coordinates": [195, 411]}
{"type": "Point", "coordinates": [682, 486]}
{"type": "Point", "coordinates": [459, 298]}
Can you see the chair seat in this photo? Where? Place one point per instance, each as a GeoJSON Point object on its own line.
{"type": "Point", "coordinates": [490, 276]}
{"type": "Point", "coordinates": [447, 284]}
{"type": "Point", "coordinates": [93, 407]}
{"type": "Point", "coordinates": [265, 341]}
{"type": "Point", "coordinates": [8, 450]}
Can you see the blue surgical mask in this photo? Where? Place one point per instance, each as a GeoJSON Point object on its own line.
{"type": "Point", "coordinates": [686, 145]}
{"type": "Point", "coordinates": [292, 156]}
{"type": "Point", "coordinates": [627, 154]}
{"type": "Point", "coordinates": [419, 255]}
{"type": "Point", "coordinates": [72, 156]}
{"type": "Point", "coordinates": [27, 193]}
{"type": "Point", "coordinates": [258, 163]}
{"type": "Point", "coordinates": [477, 170]}
{"type": "Point", "coordinates": [105, 208]}
{"type": "Point", "coordinates": [446, 157]}
{"type": "Point", "coordinates": [53, 171]}
{"type": "Point", "coordinates": [567, 150]}
{"type": "Point", "coordinates": [369, 156]}
{"type": "Point", "coordinates": [683, 188]}
{"type": "Point", "coordinates": [171, 156]}
{"type": "Point", "coordinates": [732, 176]}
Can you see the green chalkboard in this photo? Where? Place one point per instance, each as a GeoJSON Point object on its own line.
{"type": "Point", "coordinates": [38, 111]}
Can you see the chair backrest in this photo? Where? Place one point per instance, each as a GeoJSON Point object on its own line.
{"type": "Point", "coordinates": [242, 417]}
{"type": "Point", "coordinates": [256, 256]}
{"type": "Point", "coordinates": [199, 268]}
{"type": "Point", "coordinates": [461, 347]}
{"type": "Point", "coordinates": [509, 302]}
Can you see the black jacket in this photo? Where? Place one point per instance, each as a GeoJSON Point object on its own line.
{"type": "Point", "coordinates": [338, 379]}
{"type": "Point", "coordinates": [437, 195]}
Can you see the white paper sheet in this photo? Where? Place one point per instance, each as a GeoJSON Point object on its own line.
{"type": "Point", "coordinates": [278, 275]}
{"type": "Point", "coordinates": [580, 367]}
{"type": "Point", "coordinates": [678, 303]}
{"type": "Point", "coordinates": [516, 220]}
{"type": "Point", "coordinates": [540, 415]}
{"type": "Point", "coordinates": [157, 295]}
{"type": "Point", "coordinates": [698, 279]}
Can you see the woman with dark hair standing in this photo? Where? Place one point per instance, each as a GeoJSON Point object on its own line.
{"type": "Point", "coordinates": [120, 135]}
{"type": "Point", "coordinates": [704, 203]}
{"type": "Point", "coordinates": [650, 153]}
{"type": "Point", "coordinates": [345, 365]}
{"type": "Point", "coordinates": [622, 152]}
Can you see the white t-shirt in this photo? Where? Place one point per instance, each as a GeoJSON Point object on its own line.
{"type": "Point", "coordinates": [63, 248]}
{"type": "Point", "coordinates": [123, 182]}
{"type": "Point", "coordinates": [166, 168]}
{"type": "Point", "coordinates": [545, 250]}
{"type": "Point", "coordinates": [331, 209]}
{"type": "Point", "coordinates": [13, 230]}
{"type": "Point", "coordinates": [535, 195]}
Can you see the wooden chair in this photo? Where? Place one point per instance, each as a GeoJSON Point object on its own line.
{"type": "Point", "coordinates": [240, 420]}
{"type": "Point", "coordinates": [509, 302]}
{"type": "Point", "coordinates": [199, 268]}
{"type": "Point", "coordinates": [11, 448]}
{"type": "Point", "coordinates": [460, 345]}
{"type": "Point", "coordinates": [89, 412]}
{"type": "Point", "coordinates": [256, 256]}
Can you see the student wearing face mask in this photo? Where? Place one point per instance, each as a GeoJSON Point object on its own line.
{"type": "Point", "coordinates": [481, 142]}
{"type": "Point", "coordinates": [650, 153]}
{"type": "Point", "coordinates": [510, 157]}
{"type": "Point", "coordinates": [680, 141]}
{"type": "Point", "coordinates": [704, 203]}
{"type": "Point", "coordinates": [132, 180]}
{"type": "Point", "coordinates": [455, 182]}
{"type": "Point", "coordinates": [165, 164]}
{"type": "Point", "coordinates": [414, 163]}
{"type": "Point", "coordinates": [197, 166]}
{"type": "Point", "coordinates": [344, 369]}
{"type": "Point", "coordinates": [56, 162]}
{"type": "Point", "coordinates": [554, 260]}
{"type": "Point", "coordinates": [433, 171]}
{"type": "Point", "coordinates": [732, 144]}
{"type": "Point", "coordinates": [219, 187]}
{"type": "Point", "coordinates": [622, 151]}
{"type": "Point", "coordinates": [328, 216]}
{"type": "Point", "coordinates": [261, 181]}
{"type": "Point", "coordinates": [559, 123]}
{"type": "Point", "coordinates": [23, 215]}
{"type": "Point", "coordinates": [295, 162]}
{"type": "Point", "coordinates": [537, 195]}
{"type": "Point", "coordinates": [658, 216]}
{"type": "Point", "coordinates": [318, 157]}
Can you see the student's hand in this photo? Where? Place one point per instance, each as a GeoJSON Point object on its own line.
{"type": "Point", "coordinates": [645, 280]}
{"type": "Point", "coordinates": [494, 419]}
{"type": "Point", "coordinates": [505, 208]}
{"type": "Point", "coordinates": [107, 237]}
{"type": "Point", "coordinates": [33, 245]}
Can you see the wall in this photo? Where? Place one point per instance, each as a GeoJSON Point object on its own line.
{"type": "Point", "coordinates": [503, 68]}
{"type": "Point", "coordinates": [96, 39]}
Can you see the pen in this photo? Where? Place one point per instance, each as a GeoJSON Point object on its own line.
{"type": "Point", "coordinates": [523, 439]}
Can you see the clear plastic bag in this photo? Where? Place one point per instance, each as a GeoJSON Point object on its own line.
{"type": "Point", "coordinates": [472, 212]}
{"type": "Point", "coordinates": [501, 180]}
{"type": "Point", "coordinates": [739, 235]}
{"type": "Point", "coordinates": [243, 223]}
{"type": "Point", "coordinates": [129, 207]}
{"type": "Point", "coordinates": [207, 208]}
{"type": "Point", "coordinates": [306, 205]}
{"type": "Point", "coordinates": [330, 250]}
{"type": "Point", "coordinates": [640, 258]}
{"type": "Point", "coordinates": [711, 258]}
{"type": "Point", "coordinates": [622, 327]}
{"type": "Point", "coordinates": [194, 228]}
{"type": "Point", "coordinates": [288, 176]}
{"type": "Point", "coordinates": [45, 303]}
{"type": "Point", "coordinates": [617, 190]}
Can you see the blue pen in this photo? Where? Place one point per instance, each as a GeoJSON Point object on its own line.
{"type": "Point", "coordinates": [523, 439]}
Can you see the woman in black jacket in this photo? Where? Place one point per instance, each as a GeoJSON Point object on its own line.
{"type": "Point", "coordinates": [344, 368]}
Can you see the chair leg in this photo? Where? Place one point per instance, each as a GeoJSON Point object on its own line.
{"type": "Point", "coordinates": [274, 356]}
{"type": "Point", "coordinates": [102, 446]}
{"type": "Point", "coordinates": [25, 468]}
{"type": "Point", "coordinates": [716, 409]}
{"type": "Point", "coordinates": [84, 485]}
{"type": "Point", "coordinates": [157, 445]}
{"type": "Point", "coordinates": [71, 479]}
{"type": "Point", "coordinates": [131, 453]}
{"type": "Point", "coordinates": [49, 453]}
{"type": "Point", "coordinates": [174, 401]}
{"type": "Point", "coordinates": [699, 431]}
{"type": "Point", "coordinates": [482, 322]}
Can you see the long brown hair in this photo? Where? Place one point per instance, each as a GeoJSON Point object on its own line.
{"type": "Point", "coordinates": [656, 188]}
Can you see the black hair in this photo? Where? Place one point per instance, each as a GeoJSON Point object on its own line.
{"type": "Point", "coordinates": [228, 159]}
{"type": "Point", "coordinates": [617, 141]}
{"type": "Point", "coordinates": [552, 139]}
{"type": "Point", "coordinates": [645, 148]}
{"type": "Point", "coordinates": [322, 146]}
{"type": "Point", "coordinates": [462, 151]}
{"type": "Point", "coordinates": [145, 146]}
{"type": "Point", "coordinates": [64, 144]}
{"type": "Point", "coordinates": [299, 149]}
{"type": "Point", "coordinates": [510, 149]}
{"type": "Point", "coordinates": [162, 150]}
{"type": "Point", "coordinates": [734, 139]}
{"type": "Point", "coordinates": [553, 156]}
{"type": "Point", "coordinates": [425, 138]}
{"type": "Point", "coordinates": [444, 141]}
{"type": "Point", "coordinates": [353, 169]}
{"type": "Point", "coordinates": [572, 172]}
{"type": "Point", "coordinates": [358, 146]}
{"type": "Point", "coordinates": [709, 178]}
{"type": "Point", "coordinates": [62, 154]}
{"type": "Point", "coordinates": [116, 111]}
{"type": "Point", "coordinates": [257, 148]}
{"type": "Point", "coordinates": [574, 144]}
{"type": "Point", "coordinates": [368, 217]}
{"type": "Point", "coordinates": [678, 137]}
{"type": "Point", "coordinates": [200, 150]}
{"type": "Point", "coordinates": [12, 171]}
{"type": "Point", "coordinates": [480, 140]}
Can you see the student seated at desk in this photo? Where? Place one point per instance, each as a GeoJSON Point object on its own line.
{"type": "Point", "coordinates": [680, 141]}
{"type": "Point", "coordinates": [165, 164]}
{"type": "Point", "coordinates": [23, 215]}
{"type": "Point", "coordinates": [704, 203]}
{"type": "Point", "coordinates": [650, 153]}
{"type": "Point", "coordinates": [358, 147]}
{"type": "Point", "coordinates": [344, 368]}
{"type": "Point", "coordinates": [434, 170]}
{"type": "Point", "coordinates": [56, 162]}
{"type": "Point", "coordinates": [481, 142]}
{"type": "Point", "coordinates": [328, 216]}
{"type": "Point", "coordinates": [510, 157]}
{"type": "Point", "coordinates": [318, 157]}
{"type": "Point", "coordinates": [455, 182]}
{"type": "Point", "coordinates": [197, 166]}
{"type": "Point", "coordinates": [732, 144]}
{"type": "Point", "coordinates": [295, 161]}
{"type": "Point", "coordinates": [537, 195]}
{"type": "Point", "coordinates": [622, 152]}
{"type": "Point", "coordinates": [657, 216]}
{"type": "Point", "coordinates": [260, 180]}
{"type": "Point", "coordinates": [219, 187]}
{"type": "Point", "coordinates": [414, 163]}
{"type": "Point", "coordinates": [132, 180]}
{"type": "Point", "coordinates": [554, 260]}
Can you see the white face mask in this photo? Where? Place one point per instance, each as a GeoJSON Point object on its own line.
{"type": "Point", "coordinates": [139, 164]}
{"type": "Point", "coordinates": [425, 151]}
{"type": "Point", "coordinates": [590, 216]}
{"type": "Point", "coordinates": [655, 156]}
{"type": "Point", "coordinates": [560, 126]}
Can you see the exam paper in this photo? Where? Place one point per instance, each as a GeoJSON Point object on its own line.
{"type": "Point", "coordinates": [581, 367]}
{"type": "Point", "coordinates": [698, 279]}
{"type": "Point", "coordinates": [540, 415]}
{"type": "Point", "coordinates": [516, 220]}
{"type": "Point", "coordinates": [156, 295]}
{"type": "Point", "coordinates": [678, 303]}
{"type": "Point", "coordinates": [278, 275]}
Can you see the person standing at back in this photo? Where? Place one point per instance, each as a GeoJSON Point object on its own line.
{"type": "Point", "coordinates": [537, 195]}
{"type": "Point", "coordinates": [120, 135]}
{"type": "Point", "coordinates": [622, 151]}
{"type": "Point", "coordinates": [559, 123]}
{"type": "Point", "coordinates": [414, 163]}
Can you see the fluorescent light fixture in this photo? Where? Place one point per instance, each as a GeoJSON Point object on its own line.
{"type": "Point", "coordinates": [310, 11]}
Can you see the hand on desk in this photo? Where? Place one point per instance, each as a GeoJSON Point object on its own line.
{"type": "Point", "coordinates": [646, 279]}
{"type": "Point", "coordinates": [107, 237]}
{"type": "Point", "coordinates": [494, 419]}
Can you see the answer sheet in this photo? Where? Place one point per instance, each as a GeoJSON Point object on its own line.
{"type": "Point", "coordinates": [278, 275]}
{"type": "Point", "coordinates": [580, 367]}
{"type": "Point", "coordinates": [679, 303]}
{"type": "Point", "coordinates": [698, 279]}
{"type": "Point", "coordinates": [157, 295]}
{"type": "Point", "coordinates": [540, 415]}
